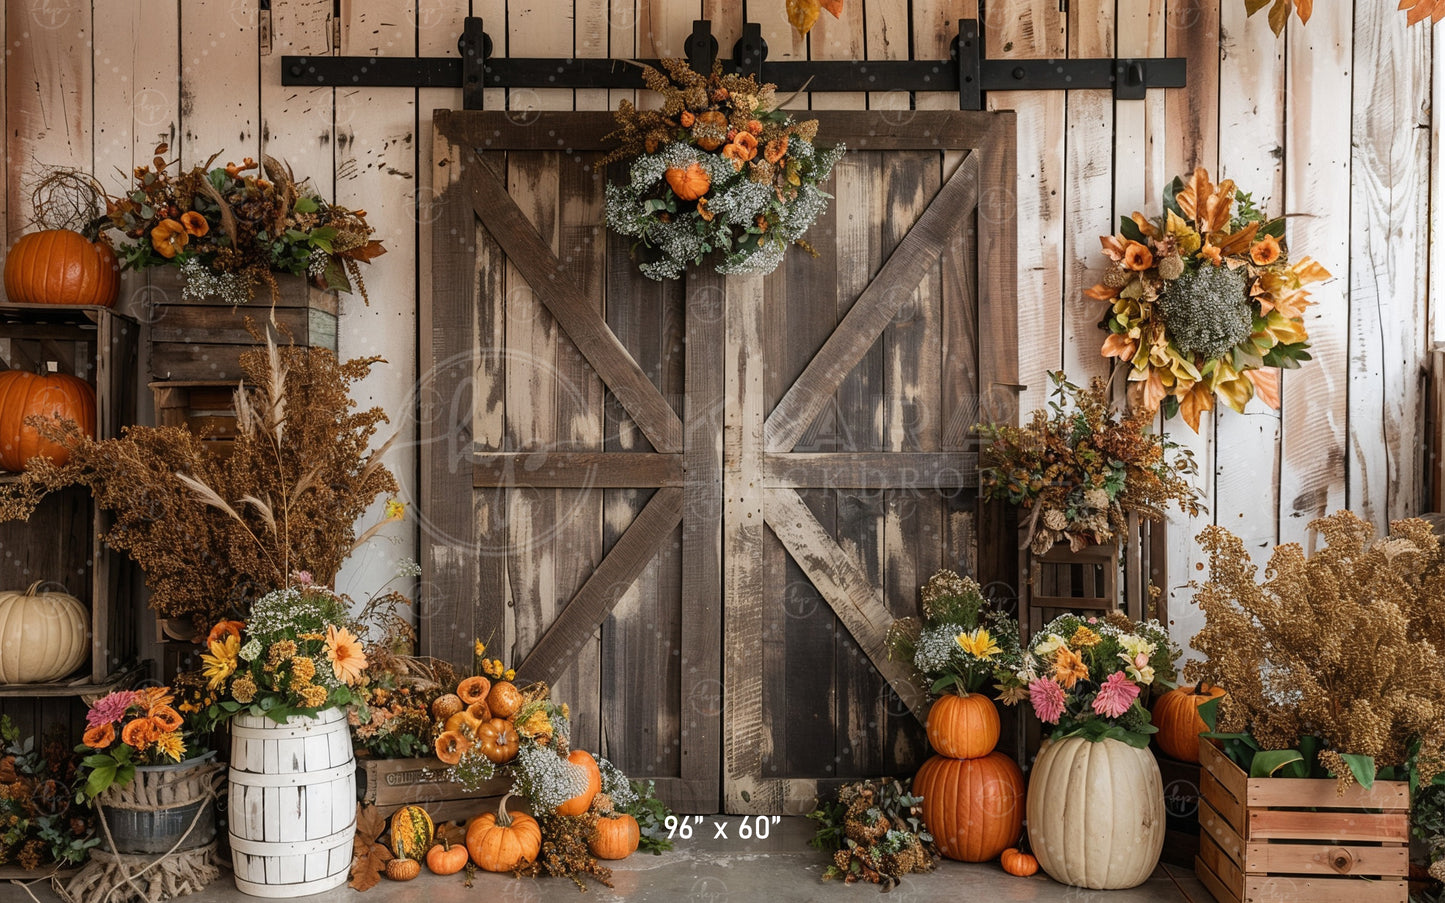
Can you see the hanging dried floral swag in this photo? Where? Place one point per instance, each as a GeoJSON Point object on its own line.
{"type": "Point", "coordinates": [717, 168]}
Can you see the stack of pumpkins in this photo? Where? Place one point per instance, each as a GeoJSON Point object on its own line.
{"type": "Point", "coordinates": [973, 796]}
{"type": "Point", "coordinates": [56, 266]}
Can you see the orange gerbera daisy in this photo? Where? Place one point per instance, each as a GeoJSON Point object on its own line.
{"type": "Point", "coordinates": [140, 733]}
{"type": "Point", "coordinates": [1068, 667]}
{"type": "Point", "coordinates": [99, 737]}
{"type": "Point", "coordinates": [168, 238]}
{"type": "Point", "coordinates": [1138, 257]}
{"type": "Point", "coordinates": [167, 718]}
{"type": "Point", "coordinates": [1265, 251]}
{"type": "Point", "coordinates": [344, 652]}
{"type": "Point", "coordinates": [195, 224]}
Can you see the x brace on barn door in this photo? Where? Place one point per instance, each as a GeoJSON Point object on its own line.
{"type": "Point", "coordinates": [968, 70]}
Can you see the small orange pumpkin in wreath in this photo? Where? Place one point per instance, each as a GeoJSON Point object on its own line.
{"type": "Point", "coordinates": [498, 741]}
{"type": "Point", "coordinates": [688, 182]}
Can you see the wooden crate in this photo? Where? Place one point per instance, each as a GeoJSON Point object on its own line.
{"type": "Point", "coordinates": [1278, 839]}
{"type": "Point", "coordinates": [389, 784]}
{"type": "Point", "coordinates": [1181, 810]}
{"type": "Point", "coordinates": [202, 340]}
{"type": "Point", "coordinates": [205, 407]}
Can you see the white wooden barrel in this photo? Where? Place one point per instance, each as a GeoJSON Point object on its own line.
{"type": "Point", "coordinates": [292, 812]}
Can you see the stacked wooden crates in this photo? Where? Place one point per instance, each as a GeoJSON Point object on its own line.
{"type": "Point", "coordinates": [60, 543]}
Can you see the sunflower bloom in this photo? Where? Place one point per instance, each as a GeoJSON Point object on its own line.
{"type": "Point", "coordinates": [99, 737]}
{"type": "Point", "coordinates": [1265, 251]}
{"type": "Point", "coordinates": [220, 663]}
{"type": "Point", "coordinates": [1068, 667]}
{"type": "Point", "coordinates": [344, 652]}
{"type": "Point", "coordinates": [1138, 257]}
{"type": "Point", "coordinates": [169, 238]}
{"type": "Point", "coordinates": [978, 644]}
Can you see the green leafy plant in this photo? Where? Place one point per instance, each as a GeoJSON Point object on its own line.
{"type": "Point", "coordinates": [40, 821]}
{"type": "Point", "coordinates": [651, 814]}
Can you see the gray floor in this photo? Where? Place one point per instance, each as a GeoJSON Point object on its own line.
{"type": "Point", "coordinates": [781, 869]}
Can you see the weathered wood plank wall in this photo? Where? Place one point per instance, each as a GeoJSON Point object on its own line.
{"type": "Point", "coordinates": [1331, 122]}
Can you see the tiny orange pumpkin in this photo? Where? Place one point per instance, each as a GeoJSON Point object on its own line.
{"type": "Point", "coordinates": [1017, 862]}
{"type": "Point", "coordinates": [446, 858]}
{"type": "Point", "coordinates": [688, 182]}
{"type": "Point", "coordinates": [498, 741]}
{"type": "Point", "coordinates": [400, 869]}
{"type": "Point", "coordinates": [504, 699]}
{"type": "Point", "coordinates": [615, 837]}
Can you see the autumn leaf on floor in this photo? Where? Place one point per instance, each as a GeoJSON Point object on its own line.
{"type": "Point", "coordinates": [803, 13]}
{"type": "Point", "coordinates": [1420, 10]}
{"type": "Point", "coordinates": [368, 857]}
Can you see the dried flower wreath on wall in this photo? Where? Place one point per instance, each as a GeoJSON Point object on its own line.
{"type": "Point", "coordinates": [717, 168]}
{"type": "Point", "coordinates": [1203, 300]}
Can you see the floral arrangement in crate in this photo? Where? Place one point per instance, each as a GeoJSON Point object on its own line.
{"type": "Point", "coordinates": [1333, 662]}
{"type": "Point", "coordinates": [231, 228]}
{"type": "Point", "coordinates": [960, 641]}
{"type": "Point", "coordinates": [40, 824]}
{"type": "Point", "coordinates": [294, 655]}
{"type": "Point", "coordinates": [150, 726]}
{"type": "Point", "coordinates": [1081, 466]}
{"type": "Point", "coordinates": [213, 532]}
{"type": "Point", "coordinates": [874, 832]}
{"type": "Point", "coordinates": [717, 168]}
{"type": "Point", "coordinates": [1203, 301]}
{"type": "Point", "coordinates": [1090, 676]}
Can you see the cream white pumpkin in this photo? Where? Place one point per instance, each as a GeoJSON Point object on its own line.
{"type": "Point", "coordinates": [1096, 813]}
{"type": "Point", "coordinates": [43, 635]}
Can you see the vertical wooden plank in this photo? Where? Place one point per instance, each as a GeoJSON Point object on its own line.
{"type": "Point", "coordinates": [884, 40]}
{"type": "Point", "coordinates": [376, 172]}
{"type": "Point", "coordinates": [1139, 174]}
{"type": "Point", "coordinates": [1389, 209]}
{"type": "Point", "coordinates": [493, 14]}
{"type": "Point", "coordinates": [837, 39]}
{"type": "Point", "coordinates": [220, 99]}
{"type": "Point", "coordinates": [1024, 31]}
{"type": "Point", "coordinates": [536, 28]}
{"type": "Point", "coordinates": [1089, 198]}
{"type": "Point", "coordinates": [590, 40]}
{"type": "Point", "coordinates": [1319, 62]}
{"type": "Point", "coordinates": [297, 125]}
{"type": "Point", "coordinates": [1191, 140]}
{"type": "Point", "coordinates": [784, 42]}
{"type": "Point", "coordinates": [1252, 112]}
{"type": "Point", "coordinates": [48, 98]}
{"type": "Point", "coordinates": [663, 27]}
{"type": "Point", "coordinates": [727, 23]}
{"type": "Point", "coordinates": [137, 86]}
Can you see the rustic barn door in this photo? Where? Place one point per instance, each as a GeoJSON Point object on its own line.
{"type": "Point", "coordinates": [693, 507]}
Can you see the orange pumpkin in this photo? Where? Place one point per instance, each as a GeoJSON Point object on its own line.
{"type": "Point", "coordinates": [1176, 715]}
{"type": "Point", "coordinates": [504, 699]}
{"type": "Point", "coordinates": [24, 394]}
{"type": "Point", "coordinates": [402, 869]}
{"type": "Point", "coordinates": [974, 808]}
{"type": "Point", "coordinates": [504, 841]}
{"type": "Point", "coordinates": [615, 837]}
{"type": "Point", "coordinates": [473, 690]}
{"type": "Point", "coordinates": [446, 858]}
{"type": "Point", "coordinates": [1017, 862]}
{"type": "Point", "coordinates": [59, 266]}
{"type": "Point", "coordinates": [445, 706]}
{"type": "Point", "coordinates": [963, 727]}
{"type": "Point", "coordinates": [710, 130]}
{"type": "Point", "coordinates": [579, 803]}
{"type": "Point", "coordinates": [498, 740]}
{"type": "Point", "coordinates": [688, 182]}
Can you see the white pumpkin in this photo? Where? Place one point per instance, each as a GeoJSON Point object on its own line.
{"type": "Point", "coordinates": [1096, 813]}
{"type": "Point", "coordinates": [43, 635]}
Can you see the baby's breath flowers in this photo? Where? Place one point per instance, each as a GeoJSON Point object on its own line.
{"type": "Point", "coordinates": [961, 640]}
{"type": "Point", "coordinates": [1340, 645]}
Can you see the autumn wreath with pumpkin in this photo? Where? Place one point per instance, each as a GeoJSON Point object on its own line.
{"type": "Point", "coordinates": [1204, 301]}
{"type": "Point", "coordinates": [718, 167]}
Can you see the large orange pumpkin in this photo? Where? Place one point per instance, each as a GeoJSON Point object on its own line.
{"type": "Point", "coordinates": [503, 841]}
{"type": "Point", "coordinates": [58, 266]}
{"type": "Point", "coordinates": [580, 803]}
{"type": "Point", "coordinates": [1176, 715]}
{"type": "Point", "coordinates": [974, 808]}
{"type": "Point", "coordinates": [963, 727]}
{"type": "Point", "coordinates": [24, 394]}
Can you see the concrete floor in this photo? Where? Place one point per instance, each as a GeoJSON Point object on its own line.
{"type": "Point", "coordinates": [782, 869]}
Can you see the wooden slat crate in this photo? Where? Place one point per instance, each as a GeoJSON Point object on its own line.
{"type": "Point", "coordinates": [1181, 810]}
{"type": "Point", "coordinates": [203, 340]}
{"type": "Point", "coordinates": [205, 407]}
{"type": "Point", "coordinates": [389, 784]}
{"type": "Point", "coordinates": [1277, 839]}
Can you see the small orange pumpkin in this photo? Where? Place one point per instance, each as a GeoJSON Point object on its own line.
{"type": "Point", "coordinates": [504, 841]}
{"type": "Point", "coordinates": [579, 803]}
{"type": "Point", "coordinates": [498, 741]}
{"type": "Point", "coordinates": [463, 722]}
{"type": "Point", "coordinates": [1176, 715]}
{"type": "Point", "coordinates": [445, 706]}
{"type": "Point", "coordinates": [446, 858]}
{"type": "Point", "coordinates": [615, 837]}
{"type": "Point", "coordinates": [710, 130]}
{"type": "Point", "coordinates": [402, 869]}
{"type": "Point", "coordinates": [688, 182]}
{"type": "Point", "coordinates": [963, 727]}
{"type": "Point", "coordinates": [60, 266]}
{"type": "Point", "coordinates": [451, 745]}
{"type": "Point", "coordinates": [1017, 862]}
{"type": "Point", "coordinates": [473, 689]}
{"type": "Point", "coordinates": [504, 699]}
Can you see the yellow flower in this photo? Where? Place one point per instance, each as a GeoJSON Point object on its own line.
{"type": "Point", "coordinates": [395, 510]}
{"type": "Point", "coordinates": [314, 697]}
{"type": "Point", "coordinates": [220, 663]}
{"type": "Point", "coordinates": [1068, 667]}
{"type": "Point", "coordinates": [171, 745]}
{"type": "Point", "coordinates": [479, 648]}
{"type": "Point", "coordinates": [510, 674]}
{"type": "Point", "coordinates": [1084, 638]}
{"type": "Point", "coordinates": [244, 689]}
{"type": "Point", "coordinates": [344, 652]}
{"type": "Point", "coordinates": [978, 644]}
{"type": "Point", "coordinates": [303, 669]}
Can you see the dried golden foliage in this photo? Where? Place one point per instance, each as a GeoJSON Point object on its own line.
{"type": "Point", "coordinates": [1342, 644]}
{"type": "Point", "coordinates": [214, 532]}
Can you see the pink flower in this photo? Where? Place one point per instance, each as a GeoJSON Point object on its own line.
{"type": "Point", "coordinates": [1048, 700]}
{"type": "Point", "coordinates": [1115, 695]}
{"type": "Point", "coordinates": [302, 578]}
{"type": "Point", "coordinates": [110, 708]}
